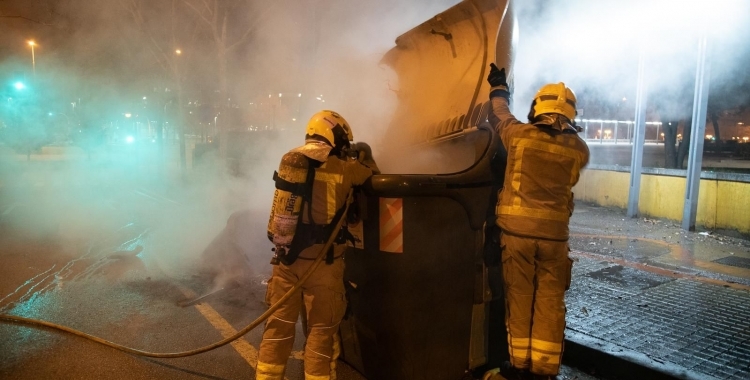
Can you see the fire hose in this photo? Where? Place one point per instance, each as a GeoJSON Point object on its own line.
{"type": "Point", "coordinates": [239, 334]}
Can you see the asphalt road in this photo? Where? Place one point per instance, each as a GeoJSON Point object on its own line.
{"type": "Point", "coordinates": [102, 279]}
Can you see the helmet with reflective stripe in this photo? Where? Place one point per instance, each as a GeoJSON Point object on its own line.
{"type": "Point", "coordinates": [330, 126]}
{"type": "Point", "coordinates": [555, 98]}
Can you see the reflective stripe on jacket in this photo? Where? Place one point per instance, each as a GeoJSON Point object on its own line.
{"type": "Point", "coordinates": [333, 179]}
{"type": "Point", "coordinates": [543, 166]}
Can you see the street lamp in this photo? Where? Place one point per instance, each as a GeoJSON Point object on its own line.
{"type": "Point", "coordinates": [33, 60]}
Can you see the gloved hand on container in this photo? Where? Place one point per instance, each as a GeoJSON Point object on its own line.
{"type": "Point", "coordinates": [499, 82]}
{"type": "Point", "coordinates": [364, 152]}
{"type": "Point", "coordinates": [364, 155]}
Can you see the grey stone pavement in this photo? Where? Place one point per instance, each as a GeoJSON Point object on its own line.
{"type": "Point", "coordinates": [646, 292]}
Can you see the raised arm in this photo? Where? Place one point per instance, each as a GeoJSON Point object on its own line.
{"type": "Point", "coordinates": [500, 118]}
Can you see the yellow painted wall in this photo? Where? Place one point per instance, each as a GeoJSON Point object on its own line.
{"type": "Point", "coordinates": [605, 188]}
{"type": "Point", "coordinates": [707, 199]}
{"type": "Point", "coordinates": [721, 204]}
{"type": "Point", "coordinates": [733, 206]}
{"type": "Point", "coordinates": [661, 196]}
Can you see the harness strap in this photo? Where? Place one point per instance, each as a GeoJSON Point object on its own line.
{"type": "Point", "coordinates": [294, 188]}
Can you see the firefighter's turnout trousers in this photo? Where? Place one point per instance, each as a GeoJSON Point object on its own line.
{"type": "Point", "coordinates": [324, 303]}
{"type": "Point", "coordinates": [536, 273]}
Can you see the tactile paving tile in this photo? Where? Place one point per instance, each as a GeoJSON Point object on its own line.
{"type": "Point", "coordinates": [697, 326]}
{"type": "Point", "coordinates": [739, 262]}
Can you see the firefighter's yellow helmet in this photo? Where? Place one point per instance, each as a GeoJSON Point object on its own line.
{"type": "Point", "coordinates": [555, 98]}
{"type": "Point", "coordinates": [323, 124]}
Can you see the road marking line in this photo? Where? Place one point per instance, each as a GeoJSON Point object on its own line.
{"type": "Point", "coordinates": [242, 346]}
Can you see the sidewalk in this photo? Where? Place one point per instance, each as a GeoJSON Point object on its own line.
{"type": "Point", "coordinates": [646, 292]}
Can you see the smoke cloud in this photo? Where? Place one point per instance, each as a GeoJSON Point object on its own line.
{"type": "Point", "coordinates": [67, 171]}
{"type": "Point", "coordinates": [74, 171]}
{"type": "Point", "coordinates": [594, 47]}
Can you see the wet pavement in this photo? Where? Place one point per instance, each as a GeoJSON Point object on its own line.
{"type": "Point", "coordinates": [646, 292]}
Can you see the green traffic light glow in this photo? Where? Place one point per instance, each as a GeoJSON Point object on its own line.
{"type": "Point", "coordinates": [19, 85]}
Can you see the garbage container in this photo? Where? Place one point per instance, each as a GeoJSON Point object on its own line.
{"type": "Point", "coordinates": [418, 289]}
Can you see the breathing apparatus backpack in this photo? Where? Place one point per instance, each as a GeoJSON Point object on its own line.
{"type": "Point", "coordinates": [294, 184]}
{"type": "Point", "coordinates": [293, 189]}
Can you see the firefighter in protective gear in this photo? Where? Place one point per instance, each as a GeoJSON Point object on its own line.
{"type": "Point", "coordinates": [545, 157]}
{"type": "Point", "coordinates": [333, 172]}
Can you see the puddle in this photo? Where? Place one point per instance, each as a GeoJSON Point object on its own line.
{"type": "Point", "coordinates": [628, 277]}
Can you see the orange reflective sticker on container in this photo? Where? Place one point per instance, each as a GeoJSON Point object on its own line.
{"type": "Point", "coordinates": [391, 225]}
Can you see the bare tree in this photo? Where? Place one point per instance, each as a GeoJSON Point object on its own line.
{"type": "Point", "coordinates": [227, 36]}
{"type": "Point", "coordinates": [670, 143]}
{"type": "Point", "coordinates": [673, 107]}
{"type": "Point", "coordinates": [169, 44]}
{"type": "Point", "coordinates": [684, 147]}
{"type": "Point", "coordinates": [49, 13]}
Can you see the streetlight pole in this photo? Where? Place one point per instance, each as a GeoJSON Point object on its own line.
{"type": "Point", "coordinates": [33, 59]}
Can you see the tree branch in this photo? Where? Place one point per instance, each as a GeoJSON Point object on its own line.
{"type": "Point", "coordinates": [208, 8]}
{"type": "Point", "coordinates": [211, 24]}
{"type": "Point", "coordinates": [250, 28]}
{"type": "Point", "coordinates": [27, 19]}
{"type": "Point", "coordinates": [154, 47]}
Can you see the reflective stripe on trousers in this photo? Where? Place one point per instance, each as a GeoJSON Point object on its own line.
{"type": "Point", "coordinates": [536, 274]}
{"type": "Point", "coordinates": [324, 303]}
{"type": "Point", "coordinates": [267, 371]}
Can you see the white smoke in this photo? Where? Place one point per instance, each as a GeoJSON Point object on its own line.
{"type": "Point", "coordinates": [327, 49]}
{"type": "Point", "coordinates": [595, 45]}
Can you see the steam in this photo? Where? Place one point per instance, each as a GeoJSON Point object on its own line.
{"type": "Point", "coordinates": [94, 66]}
{"type": "Point", "coordinates": [594, 47]}
{"type": "Point", "coordinates": [93, 58]}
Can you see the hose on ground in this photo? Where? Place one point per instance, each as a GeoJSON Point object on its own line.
{"type": "Point", "coordinates": [239, 334]}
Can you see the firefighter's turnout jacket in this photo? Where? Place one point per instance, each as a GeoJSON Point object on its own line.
{"type": "Point", "coordinates": [323, 292]}
{"type": "Point", "coordinates": [533, 210]}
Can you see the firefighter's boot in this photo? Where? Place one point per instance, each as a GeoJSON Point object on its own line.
{"type": "Point", "coordinates": [493, 374]}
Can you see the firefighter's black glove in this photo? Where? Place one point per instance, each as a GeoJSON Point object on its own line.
{"type": "Point", "coordinates": [279, 254]}
{"type": "Point", "coordinates": [364, 155]}
{"type": "Point", "coordinates": [364, 152]}
{"type": "Point", "coordinates": [499, 82]}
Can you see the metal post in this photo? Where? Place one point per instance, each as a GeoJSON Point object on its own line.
{"type": "Point", "coordinates": [33, 60]}
{"type": "Point", "coordinates": [639, 136]}
{"type": "Point", "coordinates": [630, 136]}
{"type": "Point", "coordinates": [616, 132]}
{"type": "Point", "coordinates": [601, 131]}
{"type": "Point", "coordinates": [695, 156]}
{"type": "Point", "coordinates": [586, 129]}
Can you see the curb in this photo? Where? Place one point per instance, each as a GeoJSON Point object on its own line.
{"type": "Point", "coordinates": [603, 358]}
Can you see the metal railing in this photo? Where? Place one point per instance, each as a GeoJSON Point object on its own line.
{"type": "Point", "coordinates": [612, 131]}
